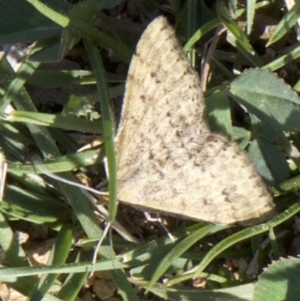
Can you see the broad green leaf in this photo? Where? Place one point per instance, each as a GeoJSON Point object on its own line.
{"type": "Point", "coordinates": [218, 113]}
{"type": "Point", "coordinates": [241, 135]}
{"type": "Point", "coordinates": [279, 282]}
{"type": "Point", "coordinates": [269, 160]}
{"type": "Point", "coordinates": [104, 4]}
{"type": "Point", "coordinates": [264, 129]}
{"type": "Point", "coordinates": [268, 97]}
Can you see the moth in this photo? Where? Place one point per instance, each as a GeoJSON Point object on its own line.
{"type": "Point", "coordinates": [168, 160]}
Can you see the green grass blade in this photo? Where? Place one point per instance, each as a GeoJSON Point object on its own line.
{"type": "Point", "coordinates": [250, 14]}
{"type": "Point", "coordinates": [55, 121]}
{"type": "Point", "coordinates": [59, 254]}
{"type": "Point", "coordinates": [244, 234]}
{"type": "Point", "coordinates": [107, 125]}
{"type": "Point", "coordinates": [53, 15]}
{"type": "Point", "coordinates": [179, 249]}
{"type": "Point", "coordinates": [288, 20]}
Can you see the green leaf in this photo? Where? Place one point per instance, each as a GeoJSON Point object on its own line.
{"type": "Point", "coordinates": [268, 97]}
{"type": "Point", "coordinates": [104, 4]}
{"type": "Point", "coordinates": [241, 135]}
{"type": "Point", "coordinates": [218, 113]}
{"type": "Point", "coordinates": [279, 282]}
{"type": "Point", "coordinates": [269, 161]}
